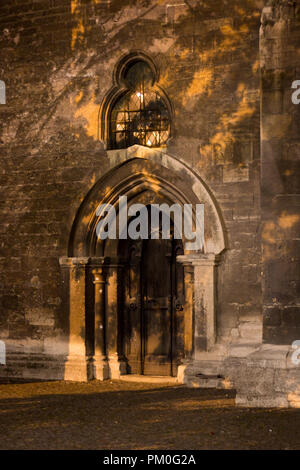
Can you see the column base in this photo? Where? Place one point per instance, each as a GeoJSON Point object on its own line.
{"type": "Point", "coordinates": [181, 373]}
{"type": "Point", "coordinates": [117, 368]}
{"type": "Point", "coordinates": [100, 369]}
{"type": "Point", "coordinates": [76, 369]}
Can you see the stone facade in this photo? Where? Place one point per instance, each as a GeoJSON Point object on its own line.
{"type": "Point", "coordinates": [227, 70]}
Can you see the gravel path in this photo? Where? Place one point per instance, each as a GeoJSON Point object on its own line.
{"type": "Point", "coordinates": [121, 415]}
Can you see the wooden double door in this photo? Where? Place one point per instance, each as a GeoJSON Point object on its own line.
{"type": "Point", "coordinates": [154, 312]}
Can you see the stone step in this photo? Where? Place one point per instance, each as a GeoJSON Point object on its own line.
{"type": "Point", "coordinates": [206, 368]}
{"type": "Point", "coordinates": [206, 374]}
{"type": "Point", "coordinates": [206, 381]}
{"type": "Point", "coordinates": [149, 379]}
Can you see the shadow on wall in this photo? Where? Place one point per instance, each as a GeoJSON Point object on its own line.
{"type": "Point", "coordinates": [72, 93]}
{"type": "Point", "coordinates": [191, 78]}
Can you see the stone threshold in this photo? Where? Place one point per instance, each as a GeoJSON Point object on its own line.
{"type": "Point", "coordinates": [152, 379]}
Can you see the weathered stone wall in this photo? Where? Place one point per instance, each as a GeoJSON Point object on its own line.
{"type": "Point", "coordinates": [280, 65]}
{"type": "Point", "coordinates": [57, 60]}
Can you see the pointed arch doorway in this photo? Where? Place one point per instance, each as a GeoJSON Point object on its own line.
{"type": "Point", "coordinates": [148, 306]}
{"type": "Point", "coordinates": [150, 295]}
{"type": "Point", "coordinates": [153, 331]}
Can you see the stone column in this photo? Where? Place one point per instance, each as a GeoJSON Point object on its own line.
{"type": "Point", "coordinates": [117, 366]}
{"type": "Point", "coordinates": [75, 278]}
{"type": "Point", "coordinates": [189, 311]}
{"type": "Point", "coordinates": [200, 297]}
{"type": "Point", "coordinates": [188, 317]}
{"type": "Point", "coordinates": [100, 365]}
{"type": "Point", "coordinates": [205, 283]}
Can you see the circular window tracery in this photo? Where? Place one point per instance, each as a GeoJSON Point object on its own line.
{"type": "Point", "coordinates": [140, 116]}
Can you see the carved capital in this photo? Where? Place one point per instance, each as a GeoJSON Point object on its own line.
{"type": "Point", "coordinates": [99, 276]}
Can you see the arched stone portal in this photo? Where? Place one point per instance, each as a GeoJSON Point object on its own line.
{"type": "Point", "coordinates": [105, 281]}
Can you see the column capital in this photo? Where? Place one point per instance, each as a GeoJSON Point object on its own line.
{"type": "Point", "coordinates": [66, 262]}
{"type": "Point", "coordinates": [97, 261]}
{"type": "Point", "coordinates": [99, 275]}
{"type": "Point", "coordinates": [106, 261]}
{"type": "Point", "coordinates": [97, 265]}
{"type": "Point", "coordinates": [209, 259]}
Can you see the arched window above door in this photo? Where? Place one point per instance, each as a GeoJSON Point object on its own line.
{"type": "Point", "coordinates": [138, 112]}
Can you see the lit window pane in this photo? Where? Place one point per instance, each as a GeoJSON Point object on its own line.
{"type": "Point", "coordinates": [141, 116]}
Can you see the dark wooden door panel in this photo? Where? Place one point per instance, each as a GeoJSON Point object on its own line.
{"type": "Point", "coordinates": [133, 337]}
{"type": "Point", "coordinates": [157, 306]}
{"type": "Point", "coordinates": [152, 329]}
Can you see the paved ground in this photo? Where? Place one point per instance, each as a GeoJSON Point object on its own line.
{"type": "Point", "coordinates": [118, 415]}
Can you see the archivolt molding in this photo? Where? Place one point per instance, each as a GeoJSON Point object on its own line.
{"type": "Point", "coordinates": [125, 62]}
{"type": "Point", "coordinates": [119, 89]}
{"type": "Point", "coordinates": [139, 169]}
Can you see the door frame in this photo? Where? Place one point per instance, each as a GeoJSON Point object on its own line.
{"type": "Point", "coordinates": [127, 172]}
{"type": "Point", "coordinates": [134, 309]}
